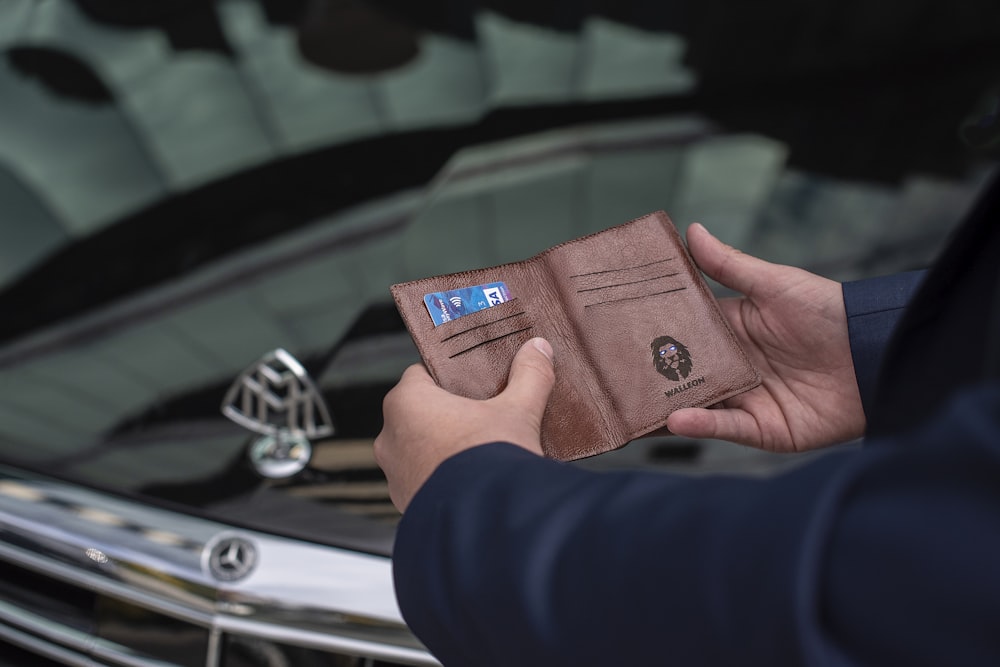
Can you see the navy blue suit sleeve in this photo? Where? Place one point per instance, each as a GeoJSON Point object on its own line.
{"type": "Point", "coordinates": [873, 308]}
{"type": "Point", "coordinates": [882, 555]}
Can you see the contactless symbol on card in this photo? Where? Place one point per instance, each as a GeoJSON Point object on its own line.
{"type": "Point", "coordinates": [453, 304]}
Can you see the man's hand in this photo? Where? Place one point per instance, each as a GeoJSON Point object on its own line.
{"type": "Point", "coordinates": [424, 424]}
{"type": "Point", "coordinates": [793, 325]}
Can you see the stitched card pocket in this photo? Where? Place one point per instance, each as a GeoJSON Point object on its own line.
{"type": "Point", "coordinates": [481, 330]}
{"type": "Point", "coordinates": [627, 282]}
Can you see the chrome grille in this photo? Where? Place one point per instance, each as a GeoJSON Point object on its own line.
{"type": "Point", "coordinates": [88, 579]}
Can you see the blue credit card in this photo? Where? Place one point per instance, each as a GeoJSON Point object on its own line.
{"type": "Point", "coordinates": [453, 304]}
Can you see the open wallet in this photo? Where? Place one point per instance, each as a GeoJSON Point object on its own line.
{"type": "Point", "coordinates": [636, 332]}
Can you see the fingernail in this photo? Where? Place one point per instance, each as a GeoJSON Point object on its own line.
{"type": "Point", "coordinates": [543, 346]}
{"type": "Point", "coordinates": [703, 227]}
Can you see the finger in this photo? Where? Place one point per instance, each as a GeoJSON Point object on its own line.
{"type": "Point", "coordinates": [725, 264]}
{"type": "Point", "coordinates": [531, 379]}
{"type": "Point", "coordinates": [414, 381]}
{"type": "Point", "coordinates": [733, 425]}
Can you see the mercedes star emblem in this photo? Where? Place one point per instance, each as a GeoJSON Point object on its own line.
{"type": "Point", "coordinates": [231, 558]}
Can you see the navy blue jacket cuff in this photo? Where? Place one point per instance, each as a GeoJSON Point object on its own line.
{"type": "Point", "coordinates": [874, 307]}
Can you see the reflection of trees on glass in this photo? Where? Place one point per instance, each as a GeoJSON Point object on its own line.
{"type": "Point", "coordinates": [111, 107]}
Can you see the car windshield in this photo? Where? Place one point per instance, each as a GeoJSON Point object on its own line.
{"type": "Point", "coordinates": [188, 186]}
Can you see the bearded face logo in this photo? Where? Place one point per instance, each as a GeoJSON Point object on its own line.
{"type": "Point", "coordinates": [671, 359]}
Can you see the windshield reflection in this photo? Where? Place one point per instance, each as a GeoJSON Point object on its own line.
{"type": "Point", "coordinates": [184, 188]}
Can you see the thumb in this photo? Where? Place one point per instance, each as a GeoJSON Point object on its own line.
{"type": "Point", "coordinates": [724, 263]}
{"type": "Point", "coordinates": [531, 379]}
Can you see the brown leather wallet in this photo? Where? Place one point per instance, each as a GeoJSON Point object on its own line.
{"type": "Point", "coordinates": [636, 333]}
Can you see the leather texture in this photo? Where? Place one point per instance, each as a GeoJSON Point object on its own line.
{"type": "Point", "coordinates": [635, 330]}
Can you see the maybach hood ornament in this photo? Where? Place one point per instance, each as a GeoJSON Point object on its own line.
{"type": "Point", "coordinates": [276, 398]}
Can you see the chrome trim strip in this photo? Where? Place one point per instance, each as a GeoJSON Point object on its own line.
{"type": "Point", "coordinates": [41, 629]}
{"type": "Point", "coordinates": [313, 639]}
{"type": "Point", "coordinates": [105, 650]}
{"type": "Point", "coordinates": [39, 563]}
{"type": "Point", "coordinates": [65, 644]}
{"type": "Point", "coordinates": [51, 651]}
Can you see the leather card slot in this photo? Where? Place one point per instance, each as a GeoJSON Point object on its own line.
{"type": "Point", "coordinates": [628, 282]}
{"type": "Point", "coordinates": [622, 268]}
{"type": "Point", "coordinates": [494, 339]}
{"type": "Point", "coordinates": [472, 321]}
{"type": "Point", "coordinates": [480, 326]}
{"type": "Point", "coordinates": [634, 297]}
{"type": "Point", "coordinates": [484, 327]}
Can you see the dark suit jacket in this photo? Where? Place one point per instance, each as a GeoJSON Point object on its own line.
{"type": "Point", "coordinates": [883, 555]}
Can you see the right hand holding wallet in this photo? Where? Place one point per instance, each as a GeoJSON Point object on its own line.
{"type": "Point", "coordinates": [636, 333]}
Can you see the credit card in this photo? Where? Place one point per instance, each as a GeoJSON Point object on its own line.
{"type": "Point", "coordinates": [453, 304]}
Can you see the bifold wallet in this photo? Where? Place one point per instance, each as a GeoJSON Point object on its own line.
{"type": "Point", "coordinates": [636, 332]}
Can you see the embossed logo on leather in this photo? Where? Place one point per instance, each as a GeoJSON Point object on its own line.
{"type": "Point", "coordinates": [671, 358]}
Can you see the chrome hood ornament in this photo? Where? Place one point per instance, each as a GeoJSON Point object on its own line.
{"type": "Point", "coordinates": [276, 398]}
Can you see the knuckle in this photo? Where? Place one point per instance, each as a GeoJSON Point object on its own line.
{"type": "Point", "coordinates": [389, 401]}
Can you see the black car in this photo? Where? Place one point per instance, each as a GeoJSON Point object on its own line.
{"type": "Point", "coordinates": [203, 204]}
